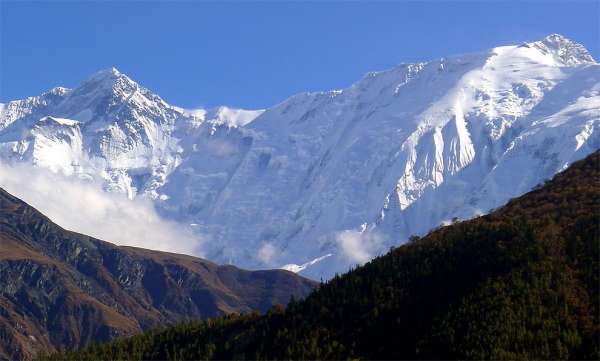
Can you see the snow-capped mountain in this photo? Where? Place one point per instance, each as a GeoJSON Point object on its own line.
{"type": "Point", "coordinates": [347, 172]}
{"type": "Point", "coordinates": [108, 128]}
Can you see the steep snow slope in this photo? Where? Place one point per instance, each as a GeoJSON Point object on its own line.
{"type": "Point", "coordinates": [347, 172]}
{"type": "Point", "coordinates": [352, 172]}
{"type": "Point", "coordinates": [120, 132]}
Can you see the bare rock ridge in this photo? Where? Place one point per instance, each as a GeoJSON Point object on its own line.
{"type": "Point", "coordinates": [62, 290]}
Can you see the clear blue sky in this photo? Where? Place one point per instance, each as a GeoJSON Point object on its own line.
{"type": "Point", "coordinates": [255, 54]}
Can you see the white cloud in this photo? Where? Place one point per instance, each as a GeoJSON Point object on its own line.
{"type": "Point", "coordinates": [359, 247]}
{"type": "Point", "coordinates": [267, 252]}
{"type": "Point", "coordinates": [221, 148]}
{"type": "Point", "coordinates": [85, 208]}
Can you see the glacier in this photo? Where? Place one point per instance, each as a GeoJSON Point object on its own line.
{"type": "Point", "coordinates": [326, 180]}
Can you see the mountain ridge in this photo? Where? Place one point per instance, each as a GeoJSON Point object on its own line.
{"type": "Point", "coordinates": [60, 289]}
{"type": "Point", "coordinates": [346, 172]}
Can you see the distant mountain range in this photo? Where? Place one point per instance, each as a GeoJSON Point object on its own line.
{"type": "Point", "coordinates": [62, 290]}
{"type": "Point", "coordinates": [519, 283]}
{"type": "Point", "coordinates": [332, 177]}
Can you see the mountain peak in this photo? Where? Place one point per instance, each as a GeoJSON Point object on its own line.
{"type": "Point", "coordinates": [58, 91]}
{"type": "Point", "coordinates": [108, 72]}
{"type": "Point", "coordinates": [555, 37]}
{"type": "Point", "coordinates": [109, 77]}
{"type": "Point", "coordinates": [107, 81]}
{"type": "Point", "coordinates": [566, 50]}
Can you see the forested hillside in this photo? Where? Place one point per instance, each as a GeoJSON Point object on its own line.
{"type": "Point", "coordinates": [519, 283]}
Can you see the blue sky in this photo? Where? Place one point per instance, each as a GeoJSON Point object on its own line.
{"type": "Point", "coordinates": [255, 54]}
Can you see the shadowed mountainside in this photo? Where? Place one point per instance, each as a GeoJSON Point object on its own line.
{"type": "Point", "coordinates": [62, 290]}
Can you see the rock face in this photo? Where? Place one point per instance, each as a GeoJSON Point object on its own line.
{"type": "Point", "coordinates": [61, 290]}
{"type": "Point", "coordinates": [347, 172]}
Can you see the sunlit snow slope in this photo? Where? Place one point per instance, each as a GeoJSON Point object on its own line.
{"type": "Point", "coordinates": [347, 172]}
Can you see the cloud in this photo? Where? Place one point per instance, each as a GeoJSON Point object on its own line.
{"type": "Point", "coordinates": [85, 208]}
{"type": "Point", "coordinates": [267, 253]}
{"type": "Point", "coordinates": [221, 148]}
{"type": "Point", "coordinates": [359, 247]}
